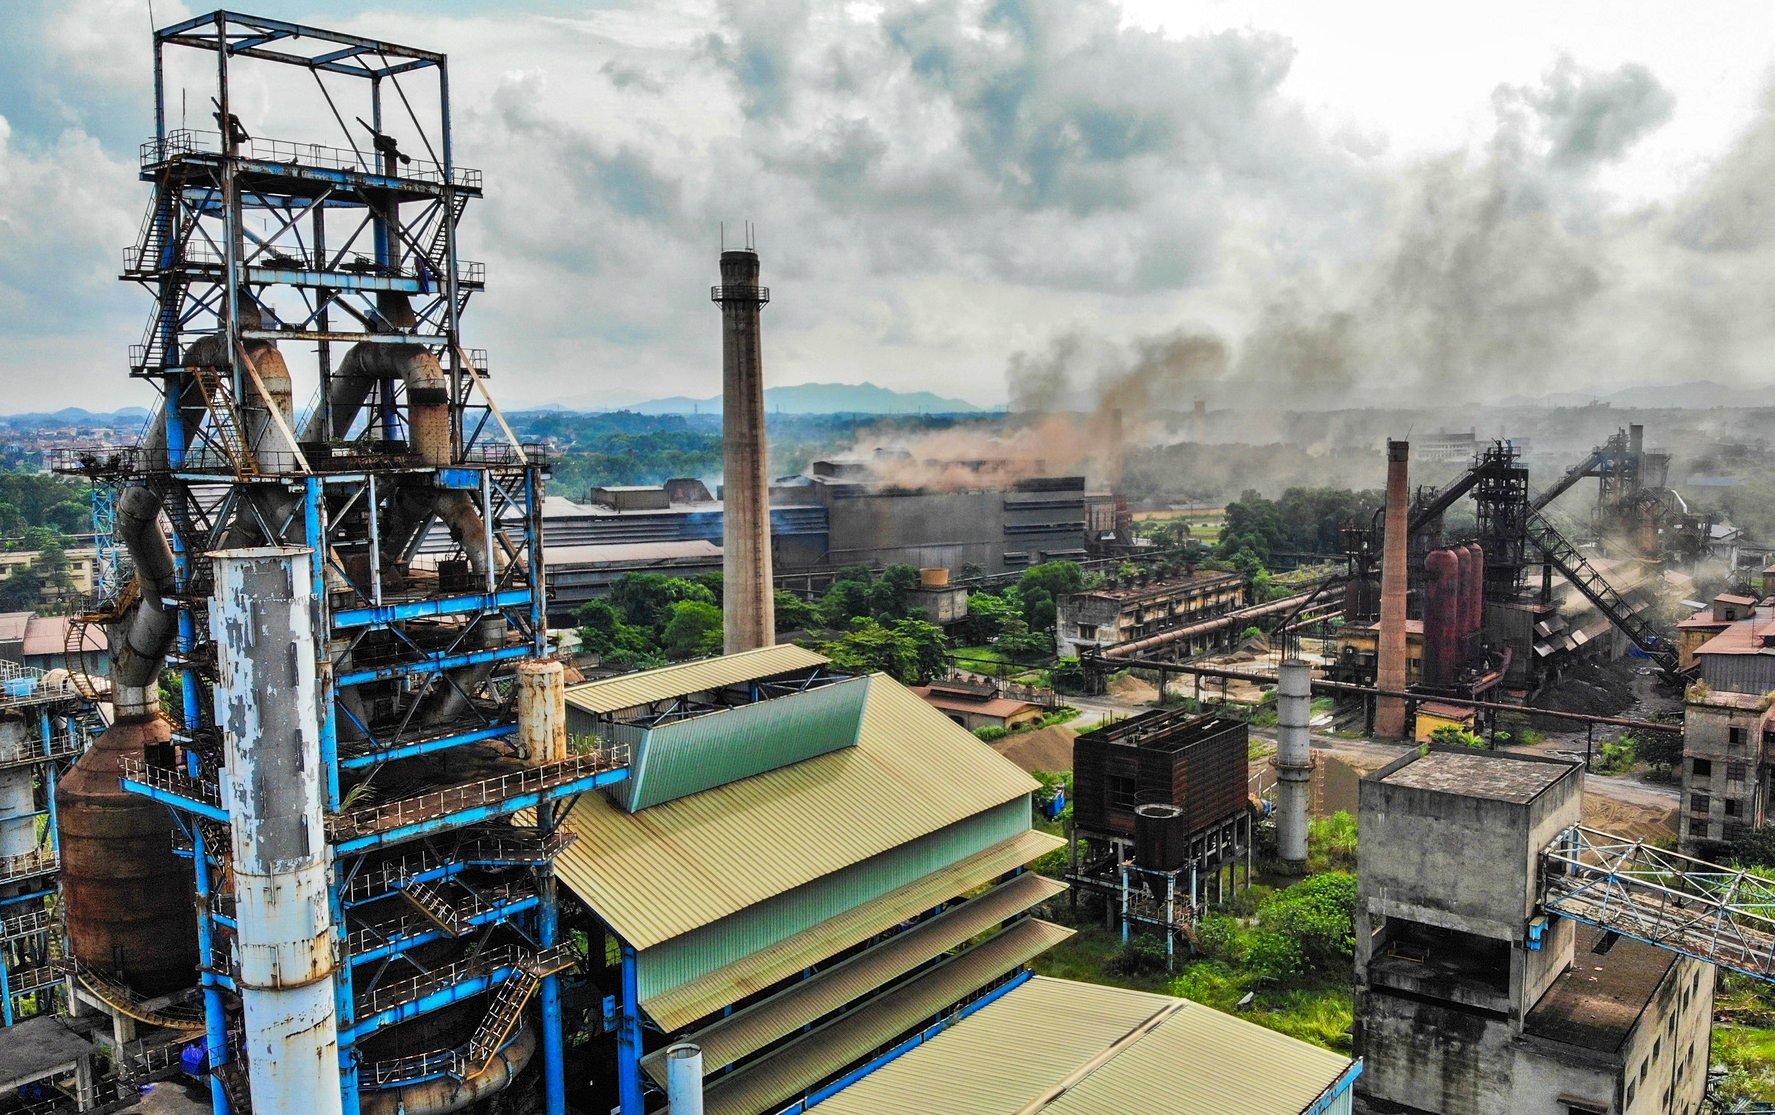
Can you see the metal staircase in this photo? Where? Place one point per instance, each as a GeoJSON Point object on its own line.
{"type": "Point", "coordinates": [225, 421]}
{"type": "Point", "coordinates": [501, 1021]}
{"type": "Point", "coordinates": [1570, 562]}
{"type": "Point", "coordinates": [425, 898]}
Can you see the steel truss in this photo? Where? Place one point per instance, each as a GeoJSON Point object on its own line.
{"type": "Point", "coordinates": [438, 893]}
{"type": "Point", "coordinates": [1712, 913]}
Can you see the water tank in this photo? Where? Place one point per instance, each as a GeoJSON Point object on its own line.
{"type": "Point", "coordinates": [1161, 837]}
{"type": "Point", "coordinates": [129, 899]}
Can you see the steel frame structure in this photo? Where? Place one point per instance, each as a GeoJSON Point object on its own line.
{"type": "Point", "coordinates": [435, 896]}
{"type": "Point", "coordinates": [1712, 913]}
{"type": "Point", "coordinates": [31, 981]}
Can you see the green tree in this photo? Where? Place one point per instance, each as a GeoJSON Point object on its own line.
{"type": "Point", "coordinates": [1663, 750]}
{"type": "Point", "coordinates": [989, 613]}
{"type": "Point", "coordinates": [794, 613]}
{"type": "Point", "coordinates": [646, 599]}
{"type": "Point", "coordinates": [603, 631]}
{"type": "Point", "coordinates": [695, 628]}
{"type": "Point", "coordinates": [1755, 847]}
{"type": "Point", "coordinates": [890, 595]}
{"type": "Point", "coordinates": [1314, 921]}
{"type": "Point", "coordinates": [714, 582]}
{"type": "Point", "coordinates": [909, 650]}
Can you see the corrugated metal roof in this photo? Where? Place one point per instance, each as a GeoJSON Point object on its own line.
{"type": "Point", "coordinates": [707, 948]}
{"type": "Point", "coordinates": [707, 994]}
{"type": "Point", "coordinates": [687, 756]}
{"type": "Point", "coordinates": [749, 1030]}
{"type": "Point", "coordinates": [615, 694]}
{"type": "Point", "coordinates": [1198, 1061]}
{"type": "Point", "coordinates": [788, 1071]}
{"type": "Point", "coordinates": [665, 871]}
{"type": "Point", "coordinates": [604, 553]}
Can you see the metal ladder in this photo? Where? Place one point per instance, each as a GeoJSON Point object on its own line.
{"type": "Point", "coordinates": [225, 419]}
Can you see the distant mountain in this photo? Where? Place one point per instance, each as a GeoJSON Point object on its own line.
{"type": "Point", "coordinates": [75, 416]}
{"type": "Point", "coordinates": [819, 398]}
{"type": "Point", "coordinates": [1703, 394]}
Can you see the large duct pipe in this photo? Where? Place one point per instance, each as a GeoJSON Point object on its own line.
{"type": "Point", "coordinates": [1443, 609]}
{"type": "Point", "coordinates": [445, 1094]}
{"type": "Point", "coordinates": [1294, 760]}
{"type": "Point", "coordinates": [369, 363]}
{"type": "Point", "coordinates": [1389, 712]}
{"type": "Point", "coordinates": [684, 1079]}
{"type": "Point", "coordinates": [748, 592]}
{"type": "Point", "coordinates": [261, 620]}
{"type": "Point", "coordinates": [140, 640]}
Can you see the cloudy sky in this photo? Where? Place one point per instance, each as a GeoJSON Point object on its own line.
{"type": "Point", "coordinates": [1005, 199]}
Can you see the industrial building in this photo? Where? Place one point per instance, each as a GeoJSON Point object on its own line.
{"type": "Point", "coordinates": [1162, 818]}
{"type": "Point", "coordinates": [836, 516]}
{"type": "Point", "coordinates": [1728, 769]}
{"type": "Point", "coordinates": [1474, 998]}
{"type": "Point", "coordinates": [1119, 613]}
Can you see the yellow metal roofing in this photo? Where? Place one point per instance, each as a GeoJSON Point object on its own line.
{"type": "Point", "coordinates": [703, 996]}
{"type": "Point", "coordinates": [629, 690]}
{"type": "Point", "coordinates": [747, 1031]}
{"type": "Point", "coordinates": [1048, 1032]}
{"type": "Point", "coordinates": [786, 1072]}
{"type": "Point", "coordinates": [664, 871]}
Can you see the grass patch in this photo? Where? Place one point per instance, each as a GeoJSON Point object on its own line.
{"type": "Point", "coordinates": [1748, 1055]}
{"type": "Point", "coordinates": [1259, 747]}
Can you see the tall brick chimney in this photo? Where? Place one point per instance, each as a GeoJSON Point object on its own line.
{"type": "Point", "coordinates": [748, 591]}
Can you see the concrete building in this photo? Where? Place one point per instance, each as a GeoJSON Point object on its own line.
{"type": "Point", "coordinates": [42, 643]}
{"type": "Point", "coordinates": [1469, 1001]}
{"type": "Point", "coordinates": [978, 706]}
{"type": "Point", "coordinates": [1695, 632]}
{"type": "Point", "coordinates": [1728, 768]}
{"type": "Point", "coordinates": [81, 563]}
{"type": "Point", "coordinates": [1117, 613]}
{"type": "Point", "coordinates": [1741, 658]}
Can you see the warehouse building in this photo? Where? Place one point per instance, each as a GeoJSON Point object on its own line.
{"type": "Point", "coordinates": [809, 874]}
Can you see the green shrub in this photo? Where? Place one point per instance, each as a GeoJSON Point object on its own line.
{"type": "Point", "coordinates": [1453, 735]}
{"type": "Point", "coordinates": [1331, 843]}
{"type": "Point", "coordinates": [1142, 955]}
{"type": "Point", "coordinates": [992, 732]}
{"type": "Point", "coordinates": [1221, 937]}
{"type": "Point", "coordinates": [1618, 756]}
{"type": "Point", "coordinates": [1316, 917]}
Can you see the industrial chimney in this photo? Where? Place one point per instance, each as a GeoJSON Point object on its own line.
{"type": "Point", "coordinates": [1389, 714]}
{"type": "Point", "coordinates": [748, 592]}
{"type": "Point", "coordinates": [1294, 760]}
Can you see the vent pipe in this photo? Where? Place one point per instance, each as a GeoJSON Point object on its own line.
{"type": "Point", "coordinates": [748, 591]}
{"type": "Point", "coordinates": [1294, 760]}
{"type": "Point", "coordinates": [267, 706]}
{"type": "Point", "coordinates": [684, 1079]}
{"type": "Point", "coordinates": [1389, 713]}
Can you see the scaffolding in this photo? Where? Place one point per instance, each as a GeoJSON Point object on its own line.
{"type": "Point", "coordinates": [428, 563]}
{"type": "Point", "coordinates": [45, 723]}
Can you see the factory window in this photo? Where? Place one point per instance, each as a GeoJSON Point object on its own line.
{"type": "Point", "coordinates": [1632, 1085]}
{"type": "Point", "coordinates": [1733, 830]}
{"type": "Point", "coordinates": [1701, 768]}
{"type": "Point", "coordinates": [1734, 772]}
{"type": "Point", "coordinates": [1732, 807]}
{"type": "Point", "coordinates": [1087, 630]}
{"type": "Point", "coordinates": [1699, 803]}
{"type": "Point", "coordinates": [1698, 827]}
{"type": "Point", "coordinates": [1122, 793]}
{"type": "Point", "coordinates": [1644, 1064]}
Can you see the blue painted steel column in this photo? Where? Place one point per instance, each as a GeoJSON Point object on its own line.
{"type": "Point", "coordinates": [554, 1066]}
{"type": "Point", "coordinates": [628, 1037]}
{"type": "Point", "coordinates": [329, 710]}
{"type": "Point", "coordinates": [49, 781]}
{"type": "Point", "coordinates": [214, 1014]}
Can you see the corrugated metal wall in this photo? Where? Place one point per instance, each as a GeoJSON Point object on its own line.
{"type": "Point", "coordinates": [1739, 673]}
{"type": "Point", "coordinates": [757, 927]}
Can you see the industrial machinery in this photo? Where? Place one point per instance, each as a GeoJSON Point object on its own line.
{"type": "Point", "coordinates": [349, 596]}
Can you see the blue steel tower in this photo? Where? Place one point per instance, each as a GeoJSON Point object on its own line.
{"type": "Point", "coordinates": [374, 658]}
